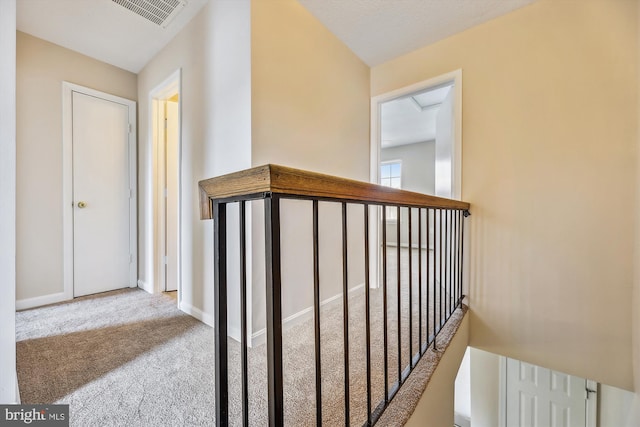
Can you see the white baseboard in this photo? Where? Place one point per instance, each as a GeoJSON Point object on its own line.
{"type": "Point", "coordinates": [18, 400]}
{"type": "Point", "coordinates": [197, 313]}
{"type": "Point", "coordinates": [259, 337]}
{"type": "Point", "coordinates": [145, 286]}
{"type": "Point", "coordinates": [461, 420]}
{"type": "Point", "coordinates": [23, 304]}
{"type": "Point", "coordinates": [406, 245]}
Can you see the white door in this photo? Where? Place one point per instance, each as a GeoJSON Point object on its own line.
{"type": "Point", "coordinates": [102, 195]}
{"type": "Point", "coordinates": [539, 397]}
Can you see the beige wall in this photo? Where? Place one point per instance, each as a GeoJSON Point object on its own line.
{"type": "Point", "coordinates": [549, 140]}
{"type": "Point", "coordinates": [436, 406]}
{"type": "Point", "coordinates": [310, 110]}
{"type": "Point", "coordinates": [213, 54]}
{"type": "Point", "coordinates": [310, 94]}
{"type": "Point", "coordinates": [41, 69]}
{"type": "Point", "coordinates": [636, 283]}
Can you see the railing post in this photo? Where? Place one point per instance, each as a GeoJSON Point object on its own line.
{"type": "Point", "coordinates": [274, 309]}
{"type": "Point", "coordinates": [220, 312]}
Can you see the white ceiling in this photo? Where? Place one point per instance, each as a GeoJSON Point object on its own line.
{"type": "Point", "coordinates": [411, 119]}
{"type": "Point", "coordinates": [101, 29]}
{"type": "Point", "coordinates": [376, 30]}
{"type": "Point", "coordinates": [380, 30]}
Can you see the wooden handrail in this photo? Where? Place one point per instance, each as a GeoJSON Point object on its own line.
{"type": "Point", "coordinates": [296, 182]}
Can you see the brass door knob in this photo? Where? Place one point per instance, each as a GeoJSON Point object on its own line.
{"type": "Point", "coordinates": [82, 205]}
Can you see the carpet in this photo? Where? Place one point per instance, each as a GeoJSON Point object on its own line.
{"type": "Point", "coordinates": [129, 358]}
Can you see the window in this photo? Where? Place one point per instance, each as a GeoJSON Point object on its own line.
{"type": "Point", "coordinates": [391, 176]}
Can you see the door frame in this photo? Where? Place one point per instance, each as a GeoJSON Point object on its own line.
{"type": "Point", "coordinates": [375, 145]}
{"type": "Point", "coordinates": [591, 405]}
{"type": "Point", "coordinates": [454, 77]}
{"type": "Point", "coordinates": [67, 182]}
{"type": "Point", "coordinates": [156, 215]}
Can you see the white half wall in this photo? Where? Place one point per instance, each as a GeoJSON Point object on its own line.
{"type": "Point", "coordinates": [8, 380]}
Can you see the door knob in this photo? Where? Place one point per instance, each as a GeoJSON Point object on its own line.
{"type": "Point", "coordinates": [82, 205]}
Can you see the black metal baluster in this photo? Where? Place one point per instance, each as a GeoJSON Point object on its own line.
{"type": "Point", "coordinates": [384, 305]}
{"type": "Point", "coordinates": [410, 291]}
{"type": "Point", "coordinates": [458, 264]}
{"type": "Point", "coordinates": [274, 309]}
{"type": "Point", "coordinates": [428, 275]}
{"type": "Point", "coordinates": [451, 271]}
{"type": "Point", "coordinates": [243, 316]}
{"type": "Point", "coordinates": [316, 313]}
{"type": "Point", "coordinates": [420, 281]}
{"type": "Point", "coordinates": [345, 313]}
{"type": "Point", "coordinates": [448, 240]}
{"type": "Point", "coordinates": [435, 276]}
{"type": "Point", "coordinates": [460, 221]}
{"type": "Point", "coordinates": [465, 214]}
{"type": "Point", "coordinates": [220, 312]}
{"type": "Point", "coordinates": [454, 240]}
{"type": "Point", "coordinates": [367, 309]}
{"type": "Point", "coordinates": [441, 253]}
{"type": "Point", "coordinates": [398, 293]}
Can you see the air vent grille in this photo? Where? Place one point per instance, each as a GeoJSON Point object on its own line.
{"type": "Point", "coordinates": [160, 12]}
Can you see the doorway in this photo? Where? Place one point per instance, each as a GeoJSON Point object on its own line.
{"type": "Point", "coordinates": [416, 145]}
{"type": "Point", "coordinates": [536, 396]}
{"type": "Point", "coordinates": [99, 192]}
{"type": "Point", "coordinates": [428, 113]}
{"type": "Point", "coordinates": [166, 134]}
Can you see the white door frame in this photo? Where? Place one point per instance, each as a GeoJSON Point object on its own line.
{"type": "Point", "coordinates": [156, 216]}
{"type": "Point", "coordinates": [591, 405]}
{"type": "Point", "coordinates": [67, 182]}
{"type": "Point", "coordinates": [454, 77]}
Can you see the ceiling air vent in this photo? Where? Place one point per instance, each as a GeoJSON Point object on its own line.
{"type": "Point", "coordinates": [160, 12]}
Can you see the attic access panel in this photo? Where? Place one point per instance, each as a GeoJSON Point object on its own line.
{"type": "Point", "coordinates": [160, 12]}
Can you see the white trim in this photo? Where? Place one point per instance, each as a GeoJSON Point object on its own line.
{"type": "Point", "coordinates": [145, 286]}
{"type": "Point", "coordinates": [454, 77]}
{"type": "Point", "coordinates": [502, 393]}
{"type": "Point", "coordinates": [67, 182]}
{"type": "Point", "coordinates": [197, 313]}
{"type": "Point", "coordinates": [18, 399]}
{"type": "Point", "coordinates": [592, 404]}
{"type": "Point", "coordinates": [23, 304]}
{"type": "Point", "coordinates": [259, 337]}
{"type": "Point", "coordinates": [155, 214]}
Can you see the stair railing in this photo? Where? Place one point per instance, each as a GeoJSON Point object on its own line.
{"type": "Point", "coordinates": [439, 285]}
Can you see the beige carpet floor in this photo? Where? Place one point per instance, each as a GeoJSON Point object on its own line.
{"type": "Point", "coordinates": [128, 358]}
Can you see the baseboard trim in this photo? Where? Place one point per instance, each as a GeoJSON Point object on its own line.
{"type": "Point", "coordinates": [197, 313]}
{"type": "Point", "coordinates": [461, 420]}
{"type": "Point", "coordinates": [145, 286]}
{"type": "Point", "coordinates": [23, 304]}
{"type": "Point", "coordinates": [18, 400]}
{"type": "Point", "coordinates": [259, 337]}
{"type": "Point", "coordinates": [406, 245]}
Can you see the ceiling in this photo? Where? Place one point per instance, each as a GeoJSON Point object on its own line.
{"type": "Point", "coordinates": [412, 118]}
{"type": "Point", "coordinates": [103, 29]}
{"type": "Point", "coordinates": [380, 30]}
{"type": "Point", "coordinates": [376, 30]}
